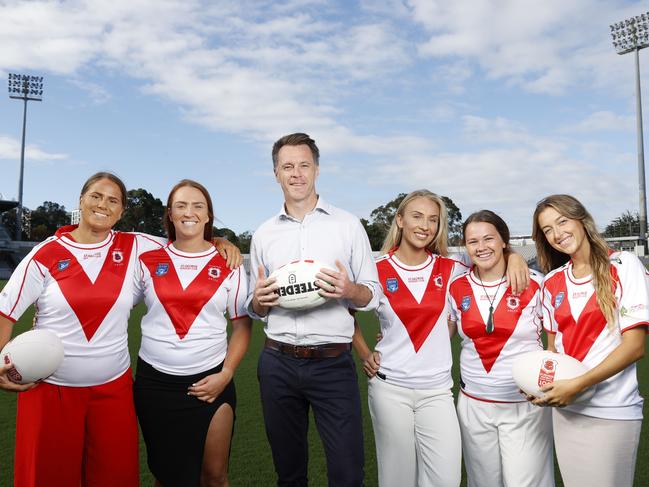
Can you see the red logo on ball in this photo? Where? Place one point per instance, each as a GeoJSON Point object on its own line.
{"type": "Point", "coordinates": [547, 372]}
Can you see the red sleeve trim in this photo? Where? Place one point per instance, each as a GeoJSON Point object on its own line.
{"type": "Point", "coordinates": [644, 324]}
{"type": "Point", "coordinates": [22, 284]}
{"type": "Point", "coordinates": [8, 317]}
{"type": "Point", "coordinates": [550, 331]}
{"type": "Point", "coordinates": [239, 317]}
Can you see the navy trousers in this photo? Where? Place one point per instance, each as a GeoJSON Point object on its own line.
{"type": "Point", "coordinates": [289, 387]}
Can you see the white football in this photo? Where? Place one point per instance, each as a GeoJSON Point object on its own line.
{"type": "Point", "coordinates": [297, 289]}
{"type": "Point", "coordinates": [35, 355]}
{"type": "Point", "coordinates": [533, 370]}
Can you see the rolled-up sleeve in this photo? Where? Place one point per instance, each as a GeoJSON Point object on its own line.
{"type": "Point", "coordinates": [363, 268]}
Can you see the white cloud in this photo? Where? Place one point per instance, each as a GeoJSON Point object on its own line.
{"type": "Point", "coordinates": [545, 47]}
{"type": "Point", "coordinates": [506, 168]}
{"type": "Point", "coordinates": [602, 121]}
{"type": "Point", "coordinates": [233, 68]}
{"type": "Point", "coordinates": [10, 150]}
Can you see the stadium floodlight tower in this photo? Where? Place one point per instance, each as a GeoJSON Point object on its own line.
{"type": "Point", "coordinates": [27, 88]}
{"type": "Point", "coordinates": [631, 35]}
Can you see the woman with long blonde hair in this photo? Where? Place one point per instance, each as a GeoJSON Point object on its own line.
{"type": "Point", "coordinates": [596, 309]}
{"type": "Point", "coordinates": [413, 414]}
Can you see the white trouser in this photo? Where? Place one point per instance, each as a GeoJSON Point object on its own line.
{"type": "Point", "coordinates": [506, 444]}
{"type": "Point", "coordinates": [595, 451]}
{"type": "Point", "coordinates": [417, 436]}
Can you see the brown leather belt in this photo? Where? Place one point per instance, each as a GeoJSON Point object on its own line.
{"type": "Point", "coordinates": [327, 350]}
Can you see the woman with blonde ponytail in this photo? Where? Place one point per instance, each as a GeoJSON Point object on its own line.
{"type": "Point", "coordinates": [415, 424]}
{"type": "Point", "coordinates": [596, 309]}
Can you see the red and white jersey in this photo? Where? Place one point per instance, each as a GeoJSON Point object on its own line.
{"type": "Point", "coordinates": [83, 293]}
{"type": "Point", "coordinates": [486, 358]}
{"type": "Point", "coordinates": [187, 294]}
{"type": "Point", "coordinates": [415, 349]}
{"type": "Point", "coordinates": [570, 310]}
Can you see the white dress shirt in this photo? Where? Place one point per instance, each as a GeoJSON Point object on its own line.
{"type": "Point", "coordinates": [326, 234]}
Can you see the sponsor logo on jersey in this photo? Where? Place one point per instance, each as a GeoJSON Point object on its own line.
{"type": "Point", "coordinates": [188, 267]}
{"type": "Point", "coordinates": [579, 294]}
{"type": "Point", "coordinates": [617, 260]}
{"type": "Point", "coordinates": [391, 284]}
{"type": "Point", "coordinates": [466, 303]}
{"type": "Point", "coordinates": [213, 272]}
{"type": "Point", "coordinates": [558, 299]}
{"type": "Point", "coordinates": [513, 302]}
{"type": "Point", "coordinates": [161, 269]}
{"type": "Point", "coordinates": [118, 256]}
{"type": "Point", "coordinates": [547, 372]}
{"type": "Point", "coordinates": [94, 255]}
{"type": "Point", "coordinates": [635, 308]}
{"type": "Point", "coordinates": [416, 279]}
{"type": "Point", "coordinates": [63, 264]}
{"type": "Point", "coordinates": [439, 282]}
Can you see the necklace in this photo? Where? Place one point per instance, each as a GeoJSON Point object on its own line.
{"type": "Point", "coordinates": [489, 327]}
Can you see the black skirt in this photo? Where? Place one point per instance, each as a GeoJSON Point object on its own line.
{"type": "Point", "coordinates": [174, 425]}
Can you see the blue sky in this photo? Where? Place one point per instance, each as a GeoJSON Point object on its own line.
{"type": "Point", "coordinates": [493, 103]}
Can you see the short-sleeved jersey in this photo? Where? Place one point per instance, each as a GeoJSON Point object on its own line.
{"type": "Point", "coordinates": [83, 293]}
{"type": "Point", "coordinates": [415, 348]}
{"type": "Point", "coordinates": [486, 358]}
{"type": "Point", "coordinates": [187, 294]}
{"type": "Point", "coordinates": [570, 311]}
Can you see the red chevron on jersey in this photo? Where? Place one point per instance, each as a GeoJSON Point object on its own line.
{"type": "Point", "coordinates": [73, 280]}
{"type": "Point", "coordinates": [577, 336]}
{"type": "Point", "coordinates": [181, 310]}
{"type": "Point", "coordinates": [418, 318]}
{"type": "Point", "coordinates": [505, 319]}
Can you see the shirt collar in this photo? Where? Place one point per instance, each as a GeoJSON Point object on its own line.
{"type": "Point", "coordinates": [321, 206]}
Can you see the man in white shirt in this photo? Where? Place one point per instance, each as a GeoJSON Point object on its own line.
{"type": "Point", "coordinates": [306, 362]}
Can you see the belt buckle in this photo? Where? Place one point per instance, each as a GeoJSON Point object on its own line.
{"type": "Point", "coordinates": [302, 351]}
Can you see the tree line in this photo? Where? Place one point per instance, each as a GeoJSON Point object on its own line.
{"type": "Point", "coordinates": [144, 213]}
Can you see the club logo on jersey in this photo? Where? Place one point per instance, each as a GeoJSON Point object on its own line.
{"type": "Point", "coordinates": [466, 303]}
{"type": "Point", "coordinates": [63, 264]}
{"type": "Point", "coordinates": [118, 256]}
{"type": "Point", "coordinates": [213, 272]}
{"type": "Point", "coordinates": [547, 372]}
{"type": "Point", "coordinates": [558, 299]}
{"type": "Point", "coordinates": [439, 282]}
{"type": "Point", "coordinates": [513, 302]}
{"type": "Point", "coordinates": [391, 284]}
{"type": "Point", "coordinates": [161, 269]}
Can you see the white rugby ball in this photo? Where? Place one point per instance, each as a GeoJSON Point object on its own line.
{"type": "Point", "coordinates": [35, 355]}
{"type": "Point", "coordinates": [297, 288]}
{"type": "Point", "coordinates": [533, 370]}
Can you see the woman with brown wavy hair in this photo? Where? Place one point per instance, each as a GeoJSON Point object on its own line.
{"type": "Point", "coordinates": [596, 309]}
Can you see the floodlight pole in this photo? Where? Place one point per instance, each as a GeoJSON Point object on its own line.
{"type": "Point", "coordinates": [19, 214]}
{"type": "Point", "coordinates": [641, 170]}
{"type": "Point", "coordinates": [632, 35]}
{"type": "Point", "coordinates": [21, 87]}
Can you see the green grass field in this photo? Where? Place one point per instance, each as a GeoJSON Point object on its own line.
{"type": "Point", "coordinates": [251, 463]}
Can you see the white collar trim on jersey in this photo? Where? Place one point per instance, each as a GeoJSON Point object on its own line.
{"type": "Point", "coordinates": [73, 243]}
{"type": "Point", "coordinates": [477, 280]}
{"type": "Point", "coordinates": [406, 267]}
{"type": "Point", "coordinates": [180, 253]}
